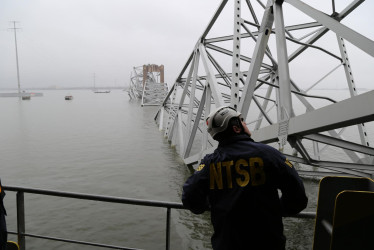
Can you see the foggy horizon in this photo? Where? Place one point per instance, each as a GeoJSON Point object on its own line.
{"type": "Point", "coordinates": [64, 43]}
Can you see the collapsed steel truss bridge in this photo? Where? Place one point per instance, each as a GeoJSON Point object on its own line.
{"type": "Point", "coordinates": [270, 71]}
{"type": "Point", "coordinates": [147, 84]}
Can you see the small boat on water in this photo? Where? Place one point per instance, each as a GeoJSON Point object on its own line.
{"type": "Point", "coordinates": [101, 91]}
{"type": "Point", "coordinates": [95, 90]}
{"type": "Point", "coordinates": [69, 97]}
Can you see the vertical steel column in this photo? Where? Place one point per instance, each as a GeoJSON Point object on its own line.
{"type": "Point", "coordinates": [192, 94]}
{"type": "Point", "coordinates": [171, 133]}
{"type": "Point", "coordinates": [143, 91]}
{"type": "Point", "coordinates": [234, 102]}
{"type": "Point", "coordinates": [170, 113]}
{"type": "Point", "coordinates": [193, 70]}
{"type": "Point", "coordinates": [283, 70]}
{"type": "Point", "coordinates": [21, 220]}
{"type": "Point", "coordinates": [265, 103]}
{"type": "Point", "coordinates": [211, 79]}
{"type": "Point", "coordinates": [180, 131]}
{"type": "Point", "coordinates": [351, 85]}
{"type": "Point", "coordinates": [195, 124]}
{"type": "Point", "coordinates": [161, 119]}
{"type": "Point", "coordinates": [208, 103]}
{"type": "Point", "coordinates": [316, 150]}
{"type": "Point", "coordinates": [188, 80]}
{"type": "Point", "coordinates": [257, 58]}
{"type": "Point", "coordinates": [285, 99]}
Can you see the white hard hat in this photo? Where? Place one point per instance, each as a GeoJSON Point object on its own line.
{"type": "Point", "coordinates": [219, 118]}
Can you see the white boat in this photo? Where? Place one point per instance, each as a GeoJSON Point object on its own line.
{"type": "Point", "coordinates": [95, 90]}
{"type": "Point", "coordinates": [101, 91]}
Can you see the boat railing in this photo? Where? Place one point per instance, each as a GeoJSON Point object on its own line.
{"type": "Point", "coordinates": [20, 203]}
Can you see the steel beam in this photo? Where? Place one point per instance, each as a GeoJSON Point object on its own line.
{"type": "Point", "coordinates": [323, 31]}
{"type": "Point", "coordinates": [234, 100]}
{"type": "Point", "coordinates": [212, 81]}
{"type": "Point", "coordinates": [340, 143]}
{"type": "Point", "coordinates": [350, 35]}
{"type": "Point", "coordinates": [321, 120]}
{"type": "Point", "coordinates": [258, 55]}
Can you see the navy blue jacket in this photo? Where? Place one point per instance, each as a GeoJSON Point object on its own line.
{"type": "Point", "coordinates": [3, 230]}
{"type": "Point", "coordinates": [239, 184]}
{"type": "Point", "coordinates": [2, 195]}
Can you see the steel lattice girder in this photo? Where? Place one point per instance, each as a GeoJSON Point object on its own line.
{"type": "Point", "coordinates": [272, 81]}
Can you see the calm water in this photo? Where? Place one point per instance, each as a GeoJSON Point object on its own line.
{"type": "Point", "coordinates": [107, 145]}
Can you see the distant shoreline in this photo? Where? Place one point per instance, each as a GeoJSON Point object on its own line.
{"type": "Point", "coordinates": [67, 88]}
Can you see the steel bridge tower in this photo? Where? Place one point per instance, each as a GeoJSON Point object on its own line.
{"type": "Point", "coordinates": [267, 65]}
{"type": "Point", "coordinates": [147, 84]}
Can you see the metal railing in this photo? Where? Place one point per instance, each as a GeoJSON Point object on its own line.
{"type": "Point", "coordinates": [20, 203]}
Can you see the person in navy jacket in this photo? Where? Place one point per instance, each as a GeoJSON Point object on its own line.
{"type": "Point", "coordinates": [3, 230]}
{"type": "Point", "coordinates": [239, 183]}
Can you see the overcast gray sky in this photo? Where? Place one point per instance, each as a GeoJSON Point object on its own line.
{"type": "Point", "coordinates": [64, 42]}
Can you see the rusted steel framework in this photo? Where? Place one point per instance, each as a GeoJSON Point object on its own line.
{"type": "Point", "coordinates": [269, 72]}
{"type": "Point", "coordinates": [147, 84]}
{"type": "Point", "coordinates": [150, 68]}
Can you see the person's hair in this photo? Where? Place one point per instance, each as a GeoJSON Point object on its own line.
{"type": "Point", "coordinates": [234, 121]}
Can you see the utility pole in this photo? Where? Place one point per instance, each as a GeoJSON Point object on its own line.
{"type": "Point", "coordinates": [94, 78]}
{"type": "Point", "coordinates": [15, 41]}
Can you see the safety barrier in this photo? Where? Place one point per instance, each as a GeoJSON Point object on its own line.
{"type": "Point", "coordinates": [21, 232]}
{"type": "Point", "coordinates": [345, 214]}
